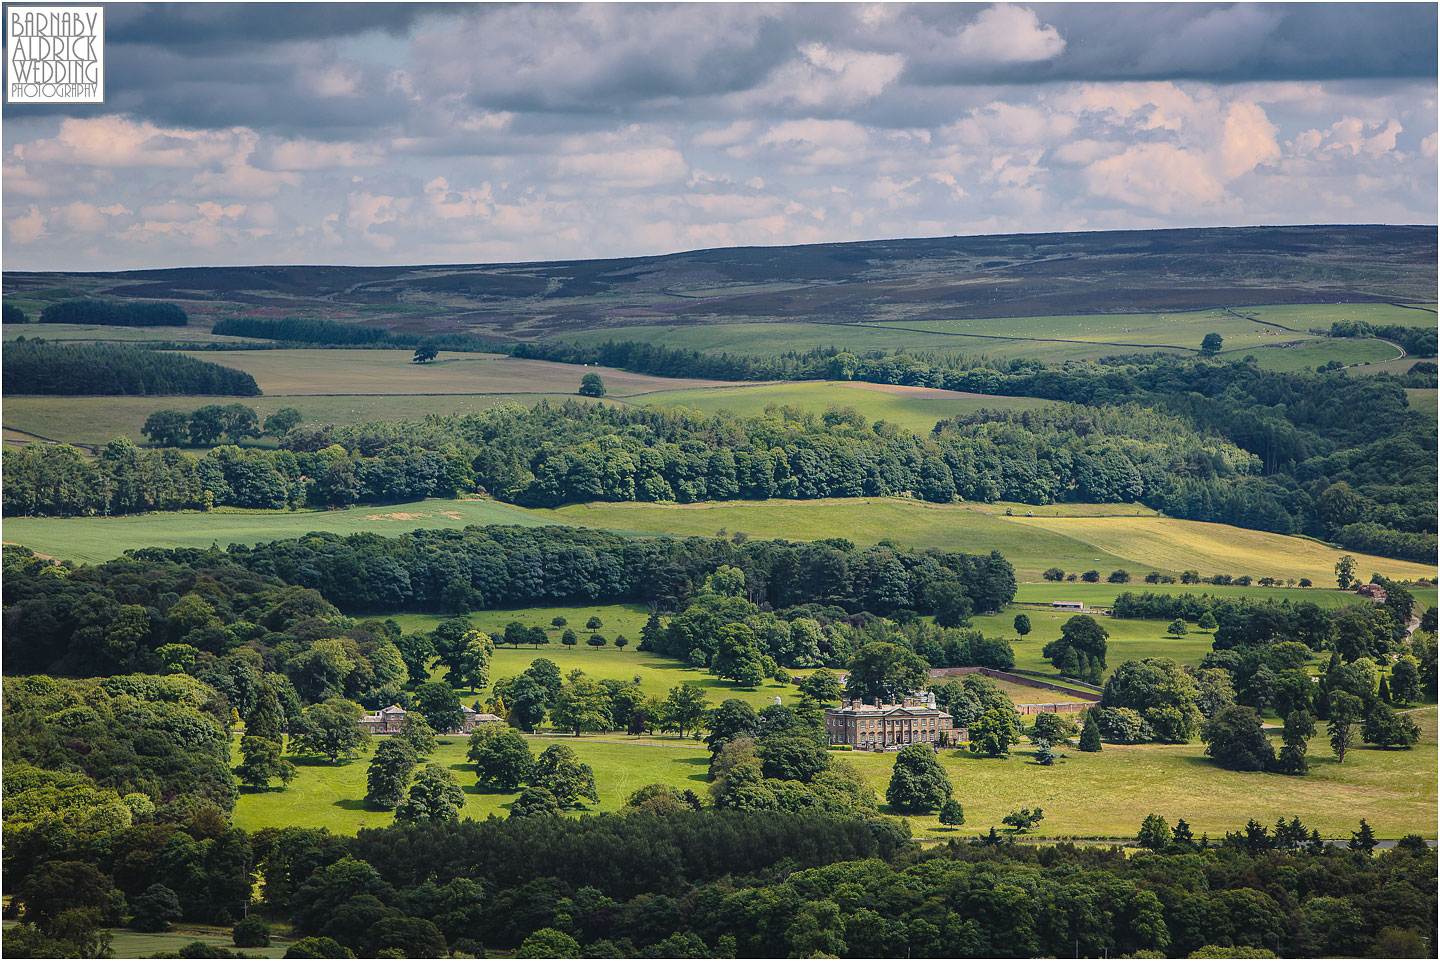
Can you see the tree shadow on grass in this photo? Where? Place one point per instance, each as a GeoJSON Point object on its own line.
{"type": "Point", "coordinates": [352, 804]}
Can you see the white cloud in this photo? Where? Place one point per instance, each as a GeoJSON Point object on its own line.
{"type": "Point", "coordinates": [1008, 34]}
{"type": "Point", "coordinates": [645, 167]}
{"type": "Point", "coordinates": [827, 77]}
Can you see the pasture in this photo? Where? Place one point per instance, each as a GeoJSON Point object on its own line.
{"type": "Point", "coordinates": [1032, 544]}
{"type": "Point", "coordinates": [1053, 338]}
{"type": "Point", "coordinates": [189, 334]}
{"type": "Point", "coordinates": [302, 371]}
{"type": "Point", "coordinates": [1103, 795]}
{"type": "Point", "coordinates": [1108, 794]}
{"type": "Point", "coordinates": [915, 408]}
{"type": "Point", "coordinates": [332, 795]}
{"type": "Point", "coordinates": [657, 674]}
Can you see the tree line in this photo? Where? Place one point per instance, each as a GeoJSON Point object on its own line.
{"type": "Point", "coordinates": [309, 332]}
{"type": "Point", "coordinates": [34, 366]}
{"type": "Point", "coordinates": [1417, 341]}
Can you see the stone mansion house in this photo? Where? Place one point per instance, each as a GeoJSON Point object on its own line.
{"type": "Point", "coordinates": [889, 727]}
{"type": "Point", "coordinates": [388, 720]}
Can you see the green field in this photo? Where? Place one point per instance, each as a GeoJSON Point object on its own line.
{"type": "Point", "coordinates": [332, 795]}
{"type": "Point", "coordinates": [916, 408]}
{"type": "Point", "coordinates": [1086, 795]}
{"type": "Point", "coordinates": [1364, 353]}
{"type": "Point", "coordinates": [308, 371]}
{"type": "Point", "coordinates": [1130, 639]}
{"type": "Point", "coordinates": [1050, 338]}
{"type": "Point", "coordinates": [657, 674]}
{"type": "Point", "coordinates": [1306, 316]}
{"type": "Point", "coordinates": [1108, 794]}
{"type": "Point", "coordinates": [1032, 544]}
{"type": "Point", "coordinates": [1104, 594]}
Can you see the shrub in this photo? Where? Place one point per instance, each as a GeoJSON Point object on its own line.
{"type": "Point", "coordinates": [251, 932]}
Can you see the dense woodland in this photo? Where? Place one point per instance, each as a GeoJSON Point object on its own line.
{"type": "Point", "coordinates": [112, 313]}
{"type": "Point", "coordinates": [39, 367]}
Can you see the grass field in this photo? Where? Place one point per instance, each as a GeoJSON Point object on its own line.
{"type": "Point", "coordinates": [1032, 544]}
{"type": "Point", "coordinates": [332, 795]}
{"type": "Point", "coordinates": [1050, 338]}
{"type": "Point", "coordinates": [1087, 795]}
{"type": "Point", "coordinates": [302, 371]}
{"type": "Point", "coordinates": [916, 408]}
{"type": "Point", "coordinates": [126, 943]}
{"type": "Point", "coordinates": [1103, 594]}
{"type": "Point", "coordinates": [1108, 794]}
{"type": "Point", "coordinates": [1311, 354]}
{"type": "Point", "coordinates": [1130, 640]}
{"type": "Point", "coordinates": [657, 674]}
{"type": "Point", "coordinates": [1216, 548]}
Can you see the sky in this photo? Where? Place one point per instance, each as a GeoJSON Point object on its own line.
{"type": "Point", "coordinates": [431, 133]}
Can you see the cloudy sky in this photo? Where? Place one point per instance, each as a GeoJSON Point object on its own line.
{"type": "Point", "coordinates": [418, 133]}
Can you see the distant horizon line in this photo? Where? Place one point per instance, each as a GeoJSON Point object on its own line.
{"type": "Point", "coordinates": [701, 250]}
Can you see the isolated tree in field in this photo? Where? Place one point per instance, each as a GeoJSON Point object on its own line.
{"type": "Point", "coordinates": [425, 353]}
{"type": "Point", "coordinates": [389, 773]}
{"type": "Point", "coordinates": [1236, 740]}
{"type": "Point", "coordinates": [594, 623]}
{"type": "Point", "coordinates": [535, 802]}
{"type": "Point", "coordinates": [621, 641]}
{"type": "Point", "coordinates": [952, 813]}
{"type": "Point", "coordinates": [279, 423]}
{"type": "Point", "coordinates": [569, 638]}
{"type": "Point", "coordinates": [1090, 577]}
{"type": "Point", "coordinates": [1177, 628]}
{"type": "Point", "coordinates": [596, 640]}
{"type": "Point", "coordinates": [1210, 344]}
{"type": "Point", "coordinates": [1119, 577]}
{"type": "Point", "coordinates": [1207, 622]}
{"type": "Point", "coordinates": [1090, 734]}
{"type": "Point", "coordinates": [886, 671]}
{"type": "Point", "coordinates": [435, 797]}
{"type": "Point", "coordinates": [1080, 649]}
{"type": "Point", "coordinates": [168, 428]}
{"type": "Point", "coordinates": [581, 705]}
{"type": "Point", "coordinates": [822, 686]}
{"type": "Point", "coordinates": [1053, 574]}
{"type": "Point", "coordinates": [1154, 833]}
{"type": "Point", "coordinates": [502, 757]}
{"type": "Point", "coordinates": [416, 731]}
{"type": "Point", "coordinates": [591, 385]}
{"type": "Point", "coordinates": [1023, 820]}
{"type": "Point", "coordinates": [560, 772]}
{"type": "Point", "coordinates": [685, 706]}
{"type": "Point", "coordinates": [440, 705]}
{"type": "Point", "coordinates": [918, 782]}
{"type": "Point", "coordinates": [1299, 729]}
{"type": "Point", "coordinates": [251, 931]}
{"type": "Point", "coordinates": [994, 732]}
{"type": "Point", "coordinates": [262, 761]}
{"type": "Point", "coordinates": [1052, 728]}
{"type": "Point", "coordinates": [1345, 712]}
{"type": "Point", "coordinates": [1405, 680]}
{"type": "Point", "coordinates": [1345, 572]}
{"type": "Point", "coordinates": [1384, 727]}
{"type": "Point", "coordinates": [331, 729]}
{"type": "Point", "coordinates": [1022, 624]}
